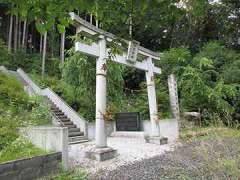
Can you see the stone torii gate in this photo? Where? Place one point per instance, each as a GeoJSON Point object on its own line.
{"type": "Point", "coordinates": [100, 51]}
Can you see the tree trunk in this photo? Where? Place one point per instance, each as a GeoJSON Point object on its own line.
{"type": "Point", "coordinates": [40, 47]}
{"type": "Point", "coordinates": [44, 53]}
{"type": "Point", "coordinates": [62, 47]}
{"type": "Point", "coordinates": [19, 32]}
{"type": "Point", "coordinates": [26, 38]}
{"type": "Point", "coordinates": [15, 34]}
{"type": "Point", "coordinates": [52, 41]}
{"type": "Point", "coordinates": [34, 42]}
{"type": "Point", "coordinates": [130, 26]}
{"type": "Point", "coordinates": [24, 33]}
{"type": "Point", "coordinates": [96, 15]}
{"type": "Point", "coordinates": [96, 23]}
{"type": "Point", "coordinates": [10, 33]}
{"type": "Point", "coordinates": [91, 18]}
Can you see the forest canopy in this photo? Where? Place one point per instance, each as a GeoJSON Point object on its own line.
{"type": "Point", "coordinates": [199, 42]}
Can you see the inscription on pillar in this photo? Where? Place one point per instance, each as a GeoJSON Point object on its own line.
{"type": "Point", "coordinates": [104, 67]}
{"type": "Point", "coordinates": [172, 85]}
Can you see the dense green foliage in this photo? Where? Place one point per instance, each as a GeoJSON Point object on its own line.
{"type": "Point", "coordinates": [17, 110]}
{"type": "Point", "coordinates": [207, 72]}
{"type": "Point", "coordinates": [5, 55]}
{"type": "Point", "coordinates": [200, 41]}
{"type": "Point", "coordinates": [205, 82]}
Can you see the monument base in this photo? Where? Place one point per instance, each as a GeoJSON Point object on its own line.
{"type": "Point", "coordinates": [101, 154]}
{"type": "Point", "coordinates": [156, 140]}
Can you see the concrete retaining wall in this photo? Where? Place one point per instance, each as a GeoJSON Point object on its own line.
{"type": "Point", "coordinates": [49, 139]}
{"type": "Point", "coordinates": [31, 168]}
{"type": "Point", "coordinates": [168, 128]}
{"type": "Point", "coordinates": [111, 126]}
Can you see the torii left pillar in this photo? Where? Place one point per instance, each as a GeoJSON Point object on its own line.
{"type": "Point", "coordinates": [101, 152]}
{"type": "Point", "coordinates": [101, 72]}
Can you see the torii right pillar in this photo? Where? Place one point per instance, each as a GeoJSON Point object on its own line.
{"type": "Point", "coordinates": [154, 136]}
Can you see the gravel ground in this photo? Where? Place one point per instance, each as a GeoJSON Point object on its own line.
{"type": "Point", "coordinates": [130, 151]}
{"type": "Point", "coordinates": [208, 159]}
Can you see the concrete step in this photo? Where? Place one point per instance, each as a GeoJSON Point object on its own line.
{"type": "Point", "coordinates": [77, 138]}
{"type": "Point", "coordinates": [129, 134]}
{"type": "Point", "coordinates": [71, 134]}
{"type": "Point", "coordinates": [54, 107]}
{"type": "Point", "coordinates": [78, 142]}
{"type": "Point", "coordinates": [62, 117]}
{"type": "Point", "coordinates": [59, 113]}
{"type": "Point", "coordinates": [70, 126]}
{"type": "Point", "coordinates": [68, 123]}
{"type": "Point", "coordinates": [65, 120]}
{"type": "Point", "coordinates": [74, 130]}
{"type": "Point", "coordinates": [56, 110]}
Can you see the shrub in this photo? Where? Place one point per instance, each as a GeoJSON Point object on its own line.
{"type": "Point", "coordinates": [77, 174]}
{"type": "Point", "coordinates": [17, 110]}
{"type": "Point", "coordinates": [201, 84]}
{"type": "Point", "coordinates": [18, 149]}
{"type": "Point", "coordinates": [5, 56]}
{"type": "Point", "coordinates": [174, 60]}
{"type": "Point", "coordinates": [231, 73]}
{"type": "Point", "coordinates": [11, 91]}
{"type": "Point", "coordinates": [40, 111]}
{"type": "Point", "coordinates": [219, 54]}
{"type": "Point", "coordinates": [8, 126]}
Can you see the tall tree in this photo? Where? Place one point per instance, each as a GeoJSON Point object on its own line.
{"type": "Point", "coordinates": [44, 53]}
{"type": "Point", "coordinates": [15, 34]}
{"type": "Point", "coordinates": [24, 33]}
{"type": "Point", "coordinates": [10, 33]}
{"type": "Point", "coordinates": [19, 32]}
{"type": "Point", "coordinates": [62, 47]}
{"type": "Point", "coordinates": [40, 43]}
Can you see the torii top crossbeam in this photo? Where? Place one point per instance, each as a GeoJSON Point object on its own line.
{"type": "Point", "coordinates": [93, 49]}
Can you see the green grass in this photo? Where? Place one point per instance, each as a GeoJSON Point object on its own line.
{"type": "Point", "coordinates": [19, 149]}
{"type": "Point", "coordinates": [204, 133]}
{"type": "Point", "coordinates": [17, 110]}
{"type": "Point", "coordinates": [76, 174]}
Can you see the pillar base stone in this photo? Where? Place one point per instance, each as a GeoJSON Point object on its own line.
{"type": "Point", "coordinates": [101, 154]}
{"type": "Point", "coordinates": [160, 140]}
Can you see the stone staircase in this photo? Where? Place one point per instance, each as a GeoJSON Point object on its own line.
{"type": "Point", "coordinates": [64, 116]}
{"type": "Point", "coordinates": [75, 134]}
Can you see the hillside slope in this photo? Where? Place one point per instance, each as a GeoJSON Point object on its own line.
{"type": "Point", "coordinates": [18, 110]}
